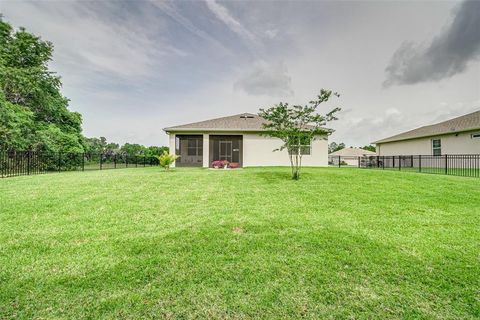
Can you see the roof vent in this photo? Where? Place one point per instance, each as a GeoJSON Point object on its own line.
{"type": "Point", "coordinates": [246, 116]}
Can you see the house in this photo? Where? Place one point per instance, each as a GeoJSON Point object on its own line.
{"type": "Point", "coordinates": [239, 139]}
{"type": "Point", "coordinates": [348, 156]}
{"type": "Point", "coordinates": [455, 136]}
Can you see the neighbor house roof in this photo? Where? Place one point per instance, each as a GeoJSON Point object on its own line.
{"type": "Point", "coordinates": [352, 152]}
{"type": "Point", "coordinates": [467, 122]}
{"type": "Point", "coordinates": [239, 122]}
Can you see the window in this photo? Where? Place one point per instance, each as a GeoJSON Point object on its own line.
{"type": "Point", "coordinates": [437, 147]}
{"type": "Point", "coordinates": [194, 147]}
{"type": "Point", "coordinates": [476, 135]}
{"type": "Point", "coordinates": [304, 144]}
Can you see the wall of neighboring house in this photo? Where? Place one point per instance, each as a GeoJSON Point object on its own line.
{"type": "Point", "coordinates": [461, 143]}
{"type": "Point", "coordinates": [258, 151]}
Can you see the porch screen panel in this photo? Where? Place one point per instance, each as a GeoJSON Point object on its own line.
{"type": "Point", "coordinates": [226, 148]}
{"type": "Point", "coordinates": [190, 150]}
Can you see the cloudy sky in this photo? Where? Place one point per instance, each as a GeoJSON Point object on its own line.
{"type": "Point", "coordinates": [132, 68]}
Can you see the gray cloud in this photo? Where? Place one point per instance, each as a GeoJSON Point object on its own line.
{"type": "Point", "coordinates": [266, 79]}
{"type": "Point", "coordinates": [233, 24]}
{"type": "Point", "coordinates": [447, 55]}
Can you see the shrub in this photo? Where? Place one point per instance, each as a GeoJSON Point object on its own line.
{"type": "Point", "coordinates": [166, 160]}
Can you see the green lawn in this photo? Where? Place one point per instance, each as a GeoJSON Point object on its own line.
{"type": "Point", "coordinates": [251, 243]}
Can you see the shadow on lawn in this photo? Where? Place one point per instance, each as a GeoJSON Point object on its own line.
{"type": "Point", "coordinates": [279, 176]}
{"type": "Point", "coordinates": [273, 176]}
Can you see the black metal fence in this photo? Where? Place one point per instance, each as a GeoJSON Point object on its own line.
{"type": "Point", "coordinates": [343, 161]}
{"type": "Point", "coordinates": [466, 165]}
{"type": "Point", "coordinates": [17, 163]}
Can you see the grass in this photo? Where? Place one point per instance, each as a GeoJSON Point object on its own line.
{"type": "Point", "coordinates": [251, 243]}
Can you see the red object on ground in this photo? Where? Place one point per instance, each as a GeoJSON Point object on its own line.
{"type": "Point", "coordinates": [233, 165]}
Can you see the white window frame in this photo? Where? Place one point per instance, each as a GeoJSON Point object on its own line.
{"type": "Point", "coordinates": [302, 147]}
{"type": "Point", "coordinates": [436, 148]}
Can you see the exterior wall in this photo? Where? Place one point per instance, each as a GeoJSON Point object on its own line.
{"type": "Point", "coordinates": [258, 151]}
{"type": "Point", "coordinates": [171, 145]}
{"type": "Point", "coordinates": [462, 143]}
{"type": "Point", "coordinates": [206, 150]}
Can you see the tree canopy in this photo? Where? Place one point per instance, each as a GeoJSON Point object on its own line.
{"type": "Point", "coordinates": [333, 146]}
{"type": "Point", "coordinates": [369, 148]}
{"type": "Point", "coordinates": [33, 111]}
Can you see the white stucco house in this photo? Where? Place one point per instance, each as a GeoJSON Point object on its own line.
{"type": "Point", "coordinates": [348, 156]}
{"type": "Point", "coordinates": [237, 139]}
{"type": "Point", "coordinates": [460, 135]}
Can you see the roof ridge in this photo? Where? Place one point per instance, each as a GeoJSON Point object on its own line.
{"type": "Point", "coordinates": [212, 119]}
{"type": "Point", "coordinates": [433, 125]}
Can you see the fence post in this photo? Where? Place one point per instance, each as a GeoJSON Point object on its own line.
{"type": "Point", "coordinates": [83, 161]}
{"type": "Point", "coordinates": [101, 156]}
{"type": "Point", "coordinates": [446, 164]}
{"type": "Point", "coordinates": [339, 159]}
{"type": "Point", "coordinates": [144, 159]}
{"type": "Point", "coordinates": [359, 161]}
{"type": "Point", "coordinates": [2, 163]}
{"type": "Point", "coordinates": [378, 163]}
{"type": "Point", "coordinates": [126, 161]}
{"type": "Point", "coordinates": [399, 163]}
{"type": "Point", "coordinates": [29, 156]}
{"type": "Point", "coordinates": [115, 161]}
{"type": "Point", "coordinates": [419, 163]}
{"type": "Point", "coordinates": [136, 161]}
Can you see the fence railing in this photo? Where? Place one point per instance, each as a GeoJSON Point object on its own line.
{"type": "Point", "coordinates": [466, 165]}
{"type": "Point", "coordinates": [343, 161]}
{"type": "Point", "coordinates": [16, 163]}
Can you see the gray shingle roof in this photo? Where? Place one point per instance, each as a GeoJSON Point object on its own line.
{"type": "Point", "coordinates": [352, 152]}
{"type": "Point", "coordinates": [239, 122]}
{"type": "Point", "coordinates": [467, 122]}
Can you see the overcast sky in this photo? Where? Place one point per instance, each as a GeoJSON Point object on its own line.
{"type": "Point", "coordinates": [132, 68]}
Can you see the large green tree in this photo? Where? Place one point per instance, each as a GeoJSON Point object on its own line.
{"type": "Point", "coordinates": [33, 111]}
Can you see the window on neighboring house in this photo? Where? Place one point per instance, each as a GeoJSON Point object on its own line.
{"type": "Point", "coordinates": [476, 135]}
{"type": "Point", "coordinates": [437, 147]}
{"type": "Point", "coordinates": [304, 144]}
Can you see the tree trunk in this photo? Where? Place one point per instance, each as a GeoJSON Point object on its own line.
{"type": "Point", "coordinates": [296, 171]}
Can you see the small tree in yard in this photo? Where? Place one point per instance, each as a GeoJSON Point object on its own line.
{"type": "Point", "coordinates": [297, 126]}
{"type": "Point", "coordinates": [166, 159]}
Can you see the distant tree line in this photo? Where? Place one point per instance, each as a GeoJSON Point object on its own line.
{"type": "Point", "coordinates": [33, 112]}
{"type": "Point", "coordinates": [100, 145]}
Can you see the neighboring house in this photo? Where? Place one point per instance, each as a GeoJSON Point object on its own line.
{"type": "Point", "coordinates": [237, 139]}
{"type": "Point", "coordinates": [348, 156]}
{"type": "Point", "coordinates": [456, 136]}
